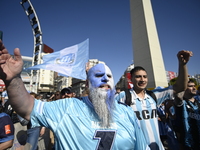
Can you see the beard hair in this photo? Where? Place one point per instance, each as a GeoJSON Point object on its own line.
{"type": "Point", "coordinates": [103, 105]}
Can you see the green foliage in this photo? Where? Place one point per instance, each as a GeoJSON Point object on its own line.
{"type": "Point", "coordinates": [173, 81]}
{"type": "Point", "coordinates": [194, 80]}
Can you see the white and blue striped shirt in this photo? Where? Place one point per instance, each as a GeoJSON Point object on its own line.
{"type": "Point", "coordinates": [145, 110]}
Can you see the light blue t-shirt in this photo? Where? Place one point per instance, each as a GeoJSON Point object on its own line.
{"type": "Point", "coordinates": [5, 95]}
{"type": "Point", "coordinates": [76, 126]}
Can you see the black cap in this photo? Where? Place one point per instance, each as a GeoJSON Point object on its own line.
{"type": "Point", "coordinates": [66, 90]}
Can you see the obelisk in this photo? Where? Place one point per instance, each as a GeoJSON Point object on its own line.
{"type": "Point", "coordinates": [146, 47]}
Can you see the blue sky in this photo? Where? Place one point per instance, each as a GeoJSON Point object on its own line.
{"type": "Point", "coordinates": [107, 25]}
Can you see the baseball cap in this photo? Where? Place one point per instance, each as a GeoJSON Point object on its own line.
{"type": "Point", "coordinates": [66, 90]}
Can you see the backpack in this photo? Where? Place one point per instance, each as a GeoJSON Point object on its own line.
{"type": "Point", "coordinates": [128, 96]}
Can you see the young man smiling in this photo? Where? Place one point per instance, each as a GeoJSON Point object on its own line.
{"type": "Point", "coordinates": [145, 105]}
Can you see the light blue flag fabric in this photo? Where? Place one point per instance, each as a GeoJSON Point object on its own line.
{"type": "Point", "coordinates": [69, 61]}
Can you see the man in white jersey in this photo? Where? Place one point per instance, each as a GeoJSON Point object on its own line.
{"type": "Point", "coordinates": [144, 105]}
{"type": "Point", "coordinates": [96, 121]}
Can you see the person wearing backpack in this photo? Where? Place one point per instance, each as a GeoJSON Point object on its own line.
{"type": "Point", "coordinates": [144, 103]}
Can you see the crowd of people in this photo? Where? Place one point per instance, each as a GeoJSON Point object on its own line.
{"type": "Point", "coordinates": [106, 117]}
{"type": "Point", "coordinates": [33, 133]}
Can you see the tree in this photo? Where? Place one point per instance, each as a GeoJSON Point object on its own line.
{"type": "Point", "coordinates": [173, 81]}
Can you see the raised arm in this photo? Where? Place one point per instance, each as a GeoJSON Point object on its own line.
{"type": "Point", "coordinates": [10, 70]}
{"type": "Point", "coordinates": [182, 79]}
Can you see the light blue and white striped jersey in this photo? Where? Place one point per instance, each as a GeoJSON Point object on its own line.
{"type": "Point", "coordinates": [76, 126]}
{"type": "Point", "coordinates": [145, 110]}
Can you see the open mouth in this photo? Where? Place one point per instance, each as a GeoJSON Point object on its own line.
{"type": "Point", "coordinates": [105, 86]}
{"type": "Point", "coordinates": [141, 83]}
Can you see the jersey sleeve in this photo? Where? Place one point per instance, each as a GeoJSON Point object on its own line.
{"type": "Point", "coordinates": [47, 114]}
{"type": "Point", "coordinates": [121, 97]}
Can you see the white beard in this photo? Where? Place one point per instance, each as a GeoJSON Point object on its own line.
{"type": "Point", "coordinates": [98, 98]}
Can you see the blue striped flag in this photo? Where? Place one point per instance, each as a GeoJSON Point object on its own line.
{"type": "Point", "coordinates": [69, 61]}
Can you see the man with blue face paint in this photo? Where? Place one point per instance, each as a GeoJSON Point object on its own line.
{"type": "Point", "coordinates": [101, 87]}
{"type": "Point", "coordinates": [94, 122]}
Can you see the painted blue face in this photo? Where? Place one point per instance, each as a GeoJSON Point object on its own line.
{"type": "Point", "coordinates": [101, 76]}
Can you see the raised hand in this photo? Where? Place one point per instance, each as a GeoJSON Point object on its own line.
{"type": "Point", "coordinates": [184, 56]}
{"type": "Point", "coordinates": [10, 66]}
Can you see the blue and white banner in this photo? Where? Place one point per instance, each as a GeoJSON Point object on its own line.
{"type": "Point", "coordinates": [70, 61]}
